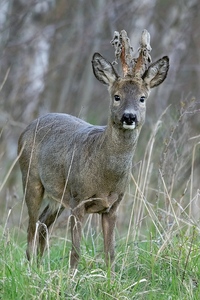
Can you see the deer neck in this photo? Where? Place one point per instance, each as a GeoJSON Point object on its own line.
{"type": "Point", "coordinates": [120, 141]}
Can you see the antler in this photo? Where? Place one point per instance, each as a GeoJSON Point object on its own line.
{"type": "Point", "coordinates": [124, 51]}
{"type": "Point", "coordinates": [144, 57]}
{"type": "Point", "coordinates": [133, 67]}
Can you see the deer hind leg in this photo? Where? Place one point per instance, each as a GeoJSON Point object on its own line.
{"type": "Point", "coordinates": [33, 197]}
{"type": "Point", "coordinates": [47, 217]}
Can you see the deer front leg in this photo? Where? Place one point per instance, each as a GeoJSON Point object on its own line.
{"type": "Point", "coordinates": [76, 233]}
{"type": "Point", "coordinates": [108, 225]}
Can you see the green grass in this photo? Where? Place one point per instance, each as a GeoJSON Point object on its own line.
{"type": "Point", "coordinates": [157, 246]}
{"type": "Point", "coordinates": [145, 269]}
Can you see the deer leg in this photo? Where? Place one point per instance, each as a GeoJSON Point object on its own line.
{"type": "Point", "coordinates": [47, 218]}
{"type": "Point", "coordinates": [108, 225]}
{"type": "Point", "coordinates": [33, 200]}
{"type": "Point", "coordinates": [76, 233]}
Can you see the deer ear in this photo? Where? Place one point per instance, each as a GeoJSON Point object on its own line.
{"type": "Point", "coordinates": [157, 72]}
{"type": "Point", "coordinates": [103, 70]}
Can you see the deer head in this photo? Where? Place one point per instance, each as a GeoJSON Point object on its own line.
{"type": "Point", "coordinates": [129, 92]}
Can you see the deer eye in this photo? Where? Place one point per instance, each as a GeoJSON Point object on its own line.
{"type": "Point", "coordinates": [117, 98]}
{"type": "Point", "coordinates": [142, 99]}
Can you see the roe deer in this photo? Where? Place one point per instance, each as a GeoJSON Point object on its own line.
{"type": "Point", "coordinates": [84, 167]}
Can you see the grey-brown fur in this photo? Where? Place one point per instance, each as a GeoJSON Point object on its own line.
{"type": "Point", "coordinates": [85, 167]}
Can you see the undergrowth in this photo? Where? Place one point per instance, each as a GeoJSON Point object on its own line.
{"type": "Point", "coordinates": [157, 256]}
{"type": "Point", "coordinates": [145, 269]}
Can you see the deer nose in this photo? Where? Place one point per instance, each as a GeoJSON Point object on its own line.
{"type": "Point", "coordinates": [129, 118]}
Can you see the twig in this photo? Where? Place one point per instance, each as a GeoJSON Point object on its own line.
{"type": "Point", "coordinates": [189, 252]}
{"type": "Point", "coordinates": [5, 78]}
{"type": "Point", "coordinates": [10, 170]}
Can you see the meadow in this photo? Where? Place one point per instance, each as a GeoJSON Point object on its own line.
{"type": "Point", "coordinates": [157, 235]}
{"type": "Point", "coordinates": [155, 266]}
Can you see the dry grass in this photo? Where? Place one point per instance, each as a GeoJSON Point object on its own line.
{"type": "Point", "coordinates": [157, 232]}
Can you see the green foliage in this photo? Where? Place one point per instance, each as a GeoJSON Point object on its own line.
{"type": "Point", "coordinates": [147, 269]}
